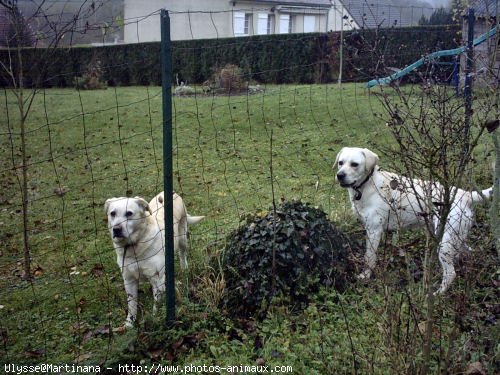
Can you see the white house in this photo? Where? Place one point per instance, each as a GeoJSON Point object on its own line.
{"type": "Point", "coordinates": [206, 19]}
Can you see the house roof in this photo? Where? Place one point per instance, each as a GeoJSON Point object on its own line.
{"type": "Point", "coordinates": [372, 13]}
{"type": "Point", "coordinates": [305, 3]}
{"type": "Point", "coordinates": [485, 8]}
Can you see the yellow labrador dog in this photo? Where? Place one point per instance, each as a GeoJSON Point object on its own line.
{"type": "Point", "coordinates": [137, 231]}
{"type": "Point", "coordinates": [386, 201]}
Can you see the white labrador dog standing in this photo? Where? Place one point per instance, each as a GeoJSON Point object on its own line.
{"type": "Point", "coordinates": [386, 201]}
{"type": "Point", "coordinates": [137, 230]}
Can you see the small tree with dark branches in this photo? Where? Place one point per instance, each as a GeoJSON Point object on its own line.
{"type": "Point", "coordinates": [438, 136]}
{"type": "Point", "coordinates": [19, 41]}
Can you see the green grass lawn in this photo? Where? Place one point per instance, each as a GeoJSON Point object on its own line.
{"type": "Point", "coordinates": [230, 154]}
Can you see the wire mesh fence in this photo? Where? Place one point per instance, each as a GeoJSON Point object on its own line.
{"type": "Point", "coordinates": [263, 99]}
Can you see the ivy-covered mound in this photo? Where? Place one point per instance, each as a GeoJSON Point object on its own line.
{"type": "Point", "coordinates": [309, 252]}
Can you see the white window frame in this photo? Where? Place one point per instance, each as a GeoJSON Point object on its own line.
{"type": "Point", "coordinates": [242, 23]}
{"type": "Point", "coordinates": [309, 24]}
{"type": "Point", "coordinates": [248, 23]}
{"type": "Point", "coordinates": [285, 25]}
{"type": "Point", "coordinates": [263, 24]}
{"type": "Point", "coordinates": [270, 24]}
{"type": "Point", "coordinates": [239, 24]}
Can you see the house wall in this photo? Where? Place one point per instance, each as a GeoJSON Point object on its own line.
{"type": "Point", "coordinates": [336, 20]}
{"type": "Point", "coordinates": [279, 14]}
{"type": "Point", "coordinates": [202, 19]}
{"type": "Point", "coordinates": [142, 19]}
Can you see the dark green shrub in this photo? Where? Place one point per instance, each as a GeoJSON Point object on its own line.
{"type": "Point", "coordinates": [280, 58]}
{"type": "Point", "coordinates": [309, 252]}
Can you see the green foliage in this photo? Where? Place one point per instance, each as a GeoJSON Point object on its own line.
{"type": "Point", "coordinates": [229, 79]}
{"type": "Point", "coordinates": [92, 78]}
{"type": "Point", "coordinates": [287, 253]}
{"type": "Point", "coordinates": [72, 310]}
{"type": "Point", "coordinates": [292, 58]}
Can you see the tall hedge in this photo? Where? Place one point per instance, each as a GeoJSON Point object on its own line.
{"type": "Point", "coordinates": [292, 58]}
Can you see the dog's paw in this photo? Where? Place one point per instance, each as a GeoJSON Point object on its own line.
{"type": "Point", "coordinates": [439, 292]}
{"type": "Point", "coordinates": [365, 275]}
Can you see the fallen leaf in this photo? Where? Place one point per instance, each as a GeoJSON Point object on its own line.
{"type": "Point", "coordinates": [475, 368]}
{"type": "Point", "coordinates": [120, 329]}
{"type": "Point", "coordinates": [176, 345]}
{"type": "Point", "coordinates": [83, 357]}
{"type": "Point", "coordinates": [260, 361]}
{"type": "Point", "coordinates": [38, 271]}
{"type": "Point", "coordinates": [97, 270]}
{"type": "Point", "coordinates": [100, 331]}
{"type": "Point", "coordinates": [60, 191]}
{"type": "Point", "coordinates": [34, 353]}
{"type": "Point", "coordinates": [155, 354]}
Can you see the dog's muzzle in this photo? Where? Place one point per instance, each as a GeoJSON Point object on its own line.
{"type": "Point", "coordinates": [118, 232]}
{"type": "Point", "coordinates": [341, 179]}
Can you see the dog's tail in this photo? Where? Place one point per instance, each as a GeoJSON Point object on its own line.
{"type": "Point", "coordinates": [480, 196]}
{"type": "Point", "coordinates": [194, 219]}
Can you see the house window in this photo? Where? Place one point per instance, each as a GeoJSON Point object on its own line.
{"type": "Point", "coordinates": [242, 22]}
{"type": "Point", "coordinates": [309, 24]}
{"type": "Point", "coordinates": [263, 24]}
{"type": "Point", "coordinates": [285, 24]}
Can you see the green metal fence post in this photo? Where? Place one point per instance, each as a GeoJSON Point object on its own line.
{"type": "Point", "coordinates": [166, 83]}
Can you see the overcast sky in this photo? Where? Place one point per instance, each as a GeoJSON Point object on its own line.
{"type": "Point", "coordinates": [438, 3]}
{"type": "Point", "coordinates": [408, 3]}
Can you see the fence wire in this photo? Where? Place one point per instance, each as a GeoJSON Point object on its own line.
{"type": "Point", "coordinates": [257, 120]}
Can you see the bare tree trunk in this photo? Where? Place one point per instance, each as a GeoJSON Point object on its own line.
{"type": "Point", "coordinates": [24, 158]}
{"type": "Point", "coordinates": [25, 198]}
{"type": "Point", "coordinates": [495, 204]}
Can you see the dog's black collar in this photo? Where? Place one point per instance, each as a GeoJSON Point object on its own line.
{"type": "Point", "coordinates": [357, 189]}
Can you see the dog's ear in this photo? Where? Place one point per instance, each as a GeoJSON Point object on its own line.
{"type": "Point", "coordinates": [107, 203]}
{"type": "Point", "coordinates": [143, 204]}
{"type": "Point", "coordinates": [338, 156]}
{"type": "Point", "coordinates": [371, 159]}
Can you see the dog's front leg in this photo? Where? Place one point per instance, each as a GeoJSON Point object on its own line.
{"type": "Point", "coordinates": [373, 236]}
{"type": "Point", "coordinates": [131, 287]}
{"type": "Point", "coordinates": [446, 256]}
{"type": "Point", "coordinates": [158, 284]}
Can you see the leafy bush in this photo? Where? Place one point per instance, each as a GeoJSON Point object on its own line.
{"type": "Point", "coordinates": [308, 252]}
{"type": "Point", "coordinates": [261, 58]}
{"type": "Point", "coordinates": [230, 79]}
{"type": "Point", "coordinates": [92, 78]}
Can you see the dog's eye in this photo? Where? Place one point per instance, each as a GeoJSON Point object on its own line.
{"type": "Point", "coordinates": [129, 213]}
{"type": "Point", "coordinates": [354, 165]}
{"type": "Point", "coordinates": [341, 163]}
{"type": "Point", "coordinates": [112, 214]}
